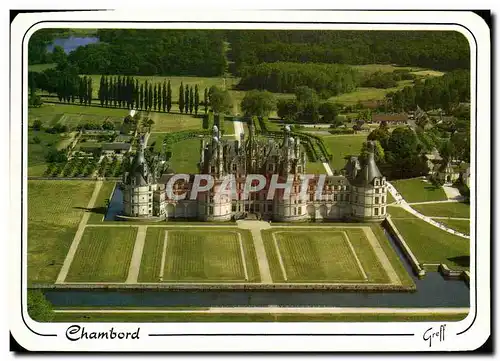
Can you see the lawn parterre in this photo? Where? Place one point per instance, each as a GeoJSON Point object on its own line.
{"type": "Point", "coordinates": [103, 255]}
{"type": "Point", "coordinates": [55, 209]}
{"type": "Point", "coordinates": [416, 190]}
{"type": "Point", "coordinates": [431, 245]}
{"type": "Point", "coordinates": [318, 255]}
{"type": "Point", "coordinates": [198, 255]}
{"type": "Point", "coordinates": [448, 209]}
{"type": "Point", "coordinates": [173, 122]}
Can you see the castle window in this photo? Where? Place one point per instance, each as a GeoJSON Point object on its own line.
{"type": "Point", "coordinates": [294, 211]}
{"type": "Point", "coordinates": [376, 211]}
{"type": "Point", "coordinates": [347, 196]}
{"type": "Point", "coordinates": [341, 197]}
{"type": "Point", "coordinates": [234, 167]}
{"type": "Point", "coordinates": [335, 197]}
{"type": "Point", "coordinates": [233, 208]}
{"type": "Point", "coordinates": [376, 200]}
{"type": "Point", "coordinates": [383, 199]}
{"type": "Point", "coordinates": [210, 210]}
{"type": "Point", "coordinates": [311, 197]}
{"type": "Point", "coordinates": [356, 199]}
{"type": "Point", "coordinates": [383, 211]}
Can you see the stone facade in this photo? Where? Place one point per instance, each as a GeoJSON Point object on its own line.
{"type": "Point", "coordinates": [357, 193]}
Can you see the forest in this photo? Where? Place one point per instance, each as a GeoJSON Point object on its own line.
{"type": "Point", "coordinates": [326, 79]}
{"type": "Point", "coordinates": [429, 49]}
{"type": "Point", "coordinates": [153, 52]}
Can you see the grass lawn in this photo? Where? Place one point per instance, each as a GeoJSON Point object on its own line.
{"type": "Point", "coordinates": [398, 212]}
{"type": "Point", "coordinates": [103, 255]}
{"type": "Point", "coordinates": [433, 245]}
{"type": "Point", "coordinates": [73, 114]}
{"type": "Point", "coordinates": [211, 255]}
{"type": "Point", "coordinates": [54, 212]}
{"type": "Point", "coordinates": [100, 208]}
{"type": "Point", "coordinates": [416, 190]}
{"type": "Point", "coordinates": [319, 255]}
{"type": "Point", "coordinates": [450, 209]}
{"type": "Point", "coordinates": [171, 122]}
{"type": "Point", "coordinates": [38, 68]}
{"type": "Point", "coordinates": [315, 168]}
{"type": "Point", "coordinates": [38, 151]}
{"type": "Point", "coordinates": [456, 224]}
{"type": "Point", "coordinates": [364, 94]}
{"type": "Point", "coordinates": [343, 145]}
{"type": "Point", "coordinates": [186, 156]}
{"type": "Point", "coordinates": [390, 198]}
{"type": "Point", "coordinates": [258, 317]}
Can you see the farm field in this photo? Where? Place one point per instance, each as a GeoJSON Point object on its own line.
{"type": "Point", "coordinates": [431, 244]}
{"type": "Point", "coordinates": [54, 212]}
{"type": "Point", "coordinates": [364, 94]}
{"type": "Point", "coordinates": [449, 209]}
{"type": "Point", "coordinates": [103, 255]}
{"type": "Point", "coordinates": [456, 224]}
{"type": "Point", "coordinates": [416, 190]}
{"type": "Point", "coordinates": [210, 255]}
{"type": "Point", "coordinates": [324, 255]}
{"type": "Point", "coordinates": [185, 156]}
{"type": "Point", "coordinates": [341, 146]}
{"type": "Point", "coordinates": [100, 208]}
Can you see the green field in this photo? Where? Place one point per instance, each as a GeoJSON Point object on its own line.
{"type": "Point", "coordinates": [37, 68]}
{"type": "Point", "coordinates": [54, 212]}
{"type": "Point", "coordinates": [169, 122]}
{"type": "Point", "coordinates": [341, 146]}
{"type": "Point", "coordinates": [416, 190]}
{"type": "Point", "coordinates": [390, 198]}
{"type": "Point", "coordinates": [72, 115]}
{"type": "Point", "coordinates": [103, 255]}
{"type": "Point", "coordinates": [398, 212]}
{"type": "Point", "coordinates": [309, 255]}
{"type": "Point", "coordinates": [315, 168]}
{"type": "Point", "coordinates": [316, 255]}
{"type": "Point", "coordinates": [186, 156]}
{"type": "Point", "coordinates": [252, 317]}
{"type": "Point", "coordinates": [431, 244]}
{"type": "Point", "coordinates": [449, 209]}
{"type": "Point", "coordinates": [100, 208]}
{"type": "Point", "coordinates": [456, 224]}
{"type": "Point", "coordinates": [38, 151]}
{"type": "Point", "coordinates": [210, 255]}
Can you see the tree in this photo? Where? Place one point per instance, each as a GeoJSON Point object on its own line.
{"type": "Point", "coordinates": [141, 97]}
{"type": "Point", "coordinates": [205, 100]}
{"type": "Point", "coordinates": [259, 103]}
{"type": "Point", "coordinates": [287, 110]}
{"type": "Point", "coordinates": [101, 90]}
{"type": "Point", "coordinates": [37, 124]}
{"type": "Point", "coordinates": [220, 100]}
{"type": "Point", "coordinates": [150, 97]}
{"type": "Point", "coordinates": [39, 309]}
{"type": "Point", "coordinates": [196, 99]}
{"type": "Point", "coordinates": [164, 96]}
{"type": "Point", "coordinates": [89, 91]}
{"type": "Point", "coordinates": [379, 152]}
{"type": "Point", "coordinates": [447, 151]}
{"type": "Point", "coordinates": [169, 97]}
{"type": "Point", "coordinates": [307, 103]}
{"type": "Point", "coordinates": [186, 99]}
{"type": "Point", "coordinates": [181, 98]}
{"type": "Point", "coordinates": [381, 135]}
{"type": "Point", "coordinates": [191, 100]}
{"type": "Point", "coordinates": [106, 92]}
{"type": "Point", "coordinates": [58, 55]}
{"type": "Point", "coordinates": [328, 112]}
{"type": "Point", "coordinates": [155, 97]}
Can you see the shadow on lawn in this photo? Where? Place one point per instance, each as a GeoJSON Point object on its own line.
{"type": "Point", "coordinates": [96, 210]}
{"type": "Point", "coordinates": [462, 261]}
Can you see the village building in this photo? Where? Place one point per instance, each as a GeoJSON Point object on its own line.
{"type": "Point", "coordinates": [391, 119]}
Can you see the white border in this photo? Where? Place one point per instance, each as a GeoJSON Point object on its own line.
{"type": "Point", "coordinates": [471, 339]}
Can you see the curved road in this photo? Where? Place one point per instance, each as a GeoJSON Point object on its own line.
{"type": "Point", "coordinates": [403, 204]}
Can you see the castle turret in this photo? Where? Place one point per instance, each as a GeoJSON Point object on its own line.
{"type": "Point", "coordinates": [369, 191]}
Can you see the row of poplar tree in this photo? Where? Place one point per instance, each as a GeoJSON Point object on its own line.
{"type": "Point", "coordinates": [128, 93]}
